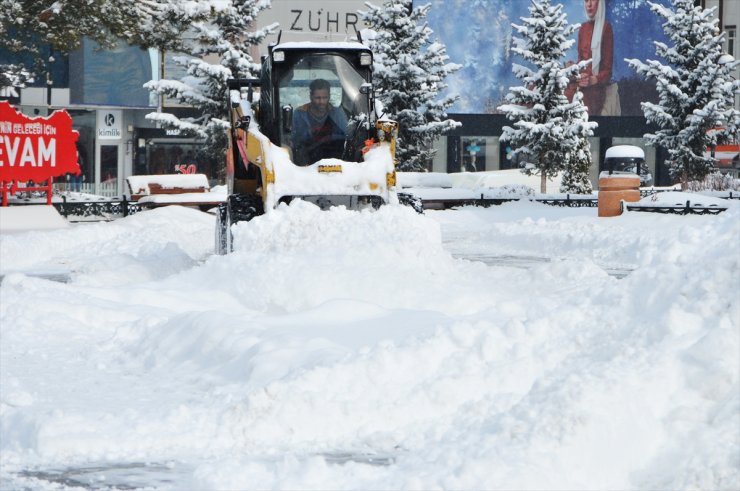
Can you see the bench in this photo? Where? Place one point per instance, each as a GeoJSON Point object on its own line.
{"type": "Point", "coordinates": [151, 191]}
{"type": "Point", "coordinates": [140, 186]}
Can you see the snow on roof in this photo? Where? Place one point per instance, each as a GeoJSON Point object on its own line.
{"type": "Point", "coordinates": [625, 151]}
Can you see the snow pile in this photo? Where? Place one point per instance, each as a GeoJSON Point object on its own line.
{"type": "Point", "coordinates": [141, 247]}
{"type": "Point", "coordinates": [327, 177]}
{"type": "Point", "coordinates": [21, 218]}
{"type": "Point", "coordinates": [299, 257]}
{"type": "Point", "coordinates": [354, 338]}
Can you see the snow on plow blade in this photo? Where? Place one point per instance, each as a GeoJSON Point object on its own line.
{"type": "Point", "coordinates": [327, 182]}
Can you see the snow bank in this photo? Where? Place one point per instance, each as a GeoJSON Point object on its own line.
{"type": "Point", "coordinates": [354, 338]}
{"type": "Point", "coordinates": [299, 257]}
{"type": "Point", "coordinates": [30, 217]}
{"type": "Point", "coordinates": [147, 245]}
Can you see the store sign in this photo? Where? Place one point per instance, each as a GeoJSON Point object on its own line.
{"type": "Point", "coordinates": [328, 20]}
{"type": "Point", "coordinates": [186, 169]}
{"type": "Point", "coordinates": [110, 124]}
{"type": "Point", "coordinates": [320, 20]}
{"type": "Point", "coordinates": [36, 148]}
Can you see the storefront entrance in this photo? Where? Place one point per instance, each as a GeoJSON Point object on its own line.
{"type": "Point", "coordinates": [109, 173]}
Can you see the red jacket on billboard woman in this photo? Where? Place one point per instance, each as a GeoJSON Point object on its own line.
{"type": "Point", "coordinates": [595, 42]}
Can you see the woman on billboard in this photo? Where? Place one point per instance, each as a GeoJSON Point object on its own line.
{"type": "Point", "coordinates": [596, 42]}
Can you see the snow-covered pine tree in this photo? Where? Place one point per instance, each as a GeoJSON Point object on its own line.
{"type": "Point", "coordinates": [575, 178]}
{"type": "Point", "coordinates": [410, 70]}
{"type": "Point", "coordinates": [696, 89]}
{"type": "Point", "coordinates": [14, 76]}
{"type": "Point", "coordinates": [547, 128]}
{"type": "Point", "coordinates": [31, 27]}
{"type": "Point", "coordinates": [227, 36]}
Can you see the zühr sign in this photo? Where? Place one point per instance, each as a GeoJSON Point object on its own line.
{"type": "Point", "coordinates": [309, 20]}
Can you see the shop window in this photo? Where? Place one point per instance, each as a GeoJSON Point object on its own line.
{"type": "Point", "coordinates": [166, 156]}
{"type": "Point", "coordinates": [731, 34]}
{"type": "Point", "coordinates": [108, 170]}
{"type": "Point", "coordinates": [473, 154]}
{"type": "Point", "coordinates": [510, 159]}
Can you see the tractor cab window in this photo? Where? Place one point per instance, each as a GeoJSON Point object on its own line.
{"type": "Point", "coordinates": [321, 105]}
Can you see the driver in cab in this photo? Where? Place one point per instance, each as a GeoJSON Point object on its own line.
{"type": "Point", "coordinates": [319, 128]}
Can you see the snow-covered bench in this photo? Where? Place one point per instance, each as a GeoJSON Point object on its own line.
{"type": "Point", "coordinates": [140, 186]}
{"type": "Point", "coordinates": [173, 189]}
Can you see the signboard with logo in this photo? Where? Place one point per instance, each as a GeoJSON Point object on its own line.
{"type": "Point", "coordinates": [308, 20]}
{"type": "Point", "coordinates": [109, 124]}
{"type": "Point", "coordinates": [35, 149]}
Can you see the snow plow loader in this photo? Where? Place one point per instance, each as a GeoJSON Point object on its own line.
{"type": "Point", "coordinates": [311, 135]}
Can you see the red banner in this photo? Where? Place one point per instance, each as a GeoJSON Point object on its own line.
{"type": "Point", "coordinates": [36, 148]}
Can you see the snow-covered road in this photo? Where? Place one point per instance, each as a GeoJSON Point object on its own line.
{"type": "Point", "coordinates": [344, 350]}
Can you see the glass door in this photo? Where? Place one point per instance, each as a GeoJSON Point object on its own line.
{"type": "Point", "coordinates": [109, 171]}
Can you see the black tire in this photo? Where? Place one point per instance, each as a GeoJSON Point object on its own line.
{"type": "Point", "coordinates": [238, 208]}
{"type": "Point", "coordinates": [223, 231]}
{"type": "Point", "coordinates": [414, 202]}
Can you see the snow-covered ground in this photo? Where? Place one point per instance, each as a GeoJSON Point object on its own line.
{"type": "Point", "coordinates": [360, 350]}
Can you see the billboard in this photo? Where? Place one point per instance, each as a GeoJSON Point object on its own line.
{"type": "Point", "coordinates": [36, 148]}
{"type": "Point", "coordinates": [113, 77]}
{"type": "Point", "coordinates": [478, 35]}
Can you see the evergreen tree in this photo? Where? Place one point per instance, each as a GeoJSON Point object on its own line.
{"type": "Point", "coordinates": [409, 74]}
{"type": "Point", "coordinates": [14, 76]}
{"type": "Point", "coordinates": [30, 27]}
{"type": "Point", "coordinates": [226, 37]}
{"type": "Point", "coordinates": [696, 89]}
{"type": "Point", "coordinates": [575, 177]}
{"type": "Point", "coordinates": [548, 131]}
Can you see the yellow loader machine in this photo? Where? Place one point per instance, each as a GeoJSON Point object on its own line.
{"type": "Point", "coordinates": [312, 135]}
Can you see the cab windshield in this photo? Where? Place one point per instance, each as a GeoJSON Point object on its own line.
{"type": "Point", "coordinates": [321, 97]}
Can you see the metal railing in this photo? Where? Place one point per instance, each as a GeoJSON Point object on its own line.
{"type": "Point", "coordinates": [576, 201]}
{"type": "Point", "coordinates": [107, 189]}
{"type": "Point", "coordinates": [568, 201]}
{"type": "Point", "coordinates": [104, 209]}
{"type": "Point", "coordinates": [677, 209]}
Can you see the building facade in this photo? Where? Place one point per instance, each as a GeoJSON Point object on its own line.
{"type": "Point", "coordinates": [103, 92]}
